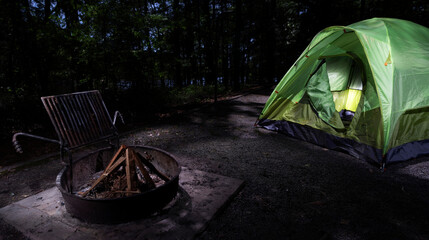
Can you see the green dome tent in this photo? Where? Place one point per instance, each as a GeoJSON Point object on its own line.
{"type": "Point", "coordinates": [362, 88]}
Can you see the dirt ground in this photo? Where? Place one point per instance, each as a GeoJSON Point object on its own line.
{"type": "Point", "coordinates": [293, 189]}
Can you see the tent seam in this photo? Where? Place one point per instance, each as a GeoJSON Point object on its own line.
{"type": "Point", "coordinates": [385, 145]}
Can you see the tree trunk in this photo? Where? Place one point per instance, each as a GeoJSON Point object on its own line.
{"type": "Point", "coordinates": [47, 10]}
{"type": "Point", "coordinates": [236, 53]}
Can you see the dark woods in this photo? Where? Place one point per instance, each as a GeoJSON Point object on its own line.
{"type": "Point", "coordinates": [144, 54]}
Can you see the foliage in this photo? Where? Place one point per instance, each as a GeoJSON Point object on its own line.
{"type": "Point", "coordinates": [193, 94]}
{"type": "Point", "coordinates": [143, 47]}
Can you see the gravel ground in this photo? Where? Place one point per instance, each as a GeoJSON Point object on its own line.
{"type": "Point", "coordinates": [294, 190]}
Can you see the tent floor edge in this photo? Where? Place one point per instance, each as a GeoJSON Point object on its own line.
{"type": "Point", "coordinates": [323, 139]}
{"type": "Point", "coordinates": [407, 151]}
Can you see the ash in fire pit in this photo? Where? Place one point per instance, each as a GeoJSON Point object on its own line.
{"type": "Point", "coordinates": [137, 181]}
{"type": "Point", "coordinates": [114, 186]}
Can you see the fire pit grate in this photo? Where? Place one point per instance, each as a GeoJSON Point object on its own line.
{"type": "Point", "coordinates": [80, 119]}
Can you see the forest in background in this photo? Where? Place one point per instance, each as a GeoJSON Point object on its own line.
{"type": "Point", "coordinates": [147, 55]}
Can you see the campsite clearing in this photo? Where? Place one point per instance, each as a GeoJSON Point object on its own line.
{"type": "Point", "coordinates": [293, 189]}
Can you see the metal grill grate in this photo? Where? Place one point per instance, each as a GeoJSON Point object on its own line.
{"type": "Point", "coordinates": [79, 118]}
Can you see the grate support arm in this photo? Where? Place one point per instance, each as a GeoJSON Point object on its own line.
{"type": "Point", "coordinates": [18, 146]}
{"type": "Point", "coordinates": [116, 115]}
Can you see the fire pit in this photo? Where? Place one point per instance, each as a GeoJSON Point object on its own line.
{"type": "Point", "coordinates": [119, 209]}
{"type": "Point", "coordinates": [81, 119]}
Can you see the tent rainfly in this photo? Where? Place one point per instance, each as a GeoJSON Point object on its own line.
{"type": "Point", "coordinates": [362, 88]}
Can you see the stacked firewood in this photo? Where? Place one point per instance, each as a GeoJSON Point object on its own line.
{"type": "Point", "coordinates": [129, 172]}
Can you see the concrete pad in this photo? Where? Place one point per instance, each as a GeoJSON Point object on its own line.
{"type": "Point", "coordinates": [200, 197]}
